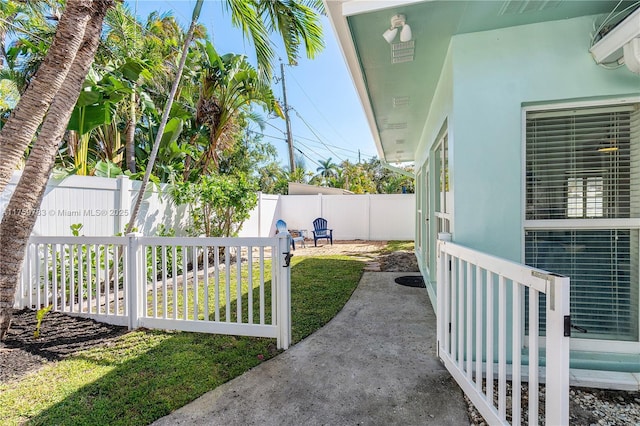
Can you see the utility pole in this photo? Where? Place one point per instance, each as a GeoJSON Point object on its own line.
{"type": "Point", "coordinates": [292, 164]}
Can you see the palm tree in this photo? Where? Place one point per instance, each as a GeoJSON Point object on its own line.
{"type": "Point", "coordinates": [19, 218]}
{"type": "Point", "coordinates": [326, 170]}
{"type": "Point", "coordinates": [229, 85]}
{"type": "Point", "coordinates": [20, 128]}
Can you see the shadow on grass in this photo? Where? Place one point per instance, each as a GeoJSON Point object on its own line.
{"type": "Point", "coordinates": [154, 372]}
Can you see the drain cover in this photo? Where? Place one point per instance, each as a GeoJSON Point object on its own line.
{"type": "Point", "coordinates": [411, 281]}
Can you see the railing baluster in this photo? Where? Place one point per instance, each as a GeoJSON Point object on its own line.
{"type": "Point", "coordinates": [454, 308]}
{"type": "Point", "coordinates": [185, 283]}
{"type": "Point", "coordinates": [63, 277]}
{"type": "Point", "coordinates": [54, 276]}
{"type": "Point", "coordinates": [154, 280]}
{"type": "Point", "coordinates": [227, 282]}
{"type": "Point", "coordinates": [478, 320]}
{"type": "Point", "coordinates": [534, 331]}
{"type": "Point", "coordinates": [174, 265]}
{"type": "Point", "coordinates": [107, 281]}
{"type": "Point", "coordinates": [490, 337]}
{"type": "Point", "coordinates": [468, 352]}
{"type": "Point", "coordinates": [516, 357]}
{"type": "Point", "coordinates": [216, 274]}
{"type": "Point", "coordinates": [117, 254]}
{"type": "Point", "coordinates": [250, 287]}
{"type": "Point", "coordinates": [238, 285]}
{"type": "Point", "coordinates": [194, 280]}
{"type": "Point", "coordinates": [80, 279]}
{"type": "Point", "coordinates": [262, 285]}
{"type": "Point", "coordinates": [72, 278]}
{"type": "Point", "coordinates": [96, 251]}
{"type": "Point", "coordinates": [447, 303]}
{"type": "Point", "coordinates": [205, 280]}
{"type": "Point", "coordinates": [502, 346]}
{"type": "Point", "coordinates": [460, 290]}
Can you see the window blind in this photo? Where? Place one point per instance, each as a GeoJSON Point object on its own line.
{"type": "Point", "coordinates": [584, 163]}
{"type": "Point", "coordinates": [603, 267]}
{"type": "Point", "coordinates": [581, 163]}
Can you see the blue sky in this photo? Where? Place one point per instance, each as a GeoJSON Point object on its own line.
{"type": "Point", "coordinates": [326, 116]}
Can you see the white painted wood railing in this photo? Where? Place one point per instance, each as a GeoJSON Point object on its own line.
{"type": "Point", "coordinates": [484, 337]}
{"type": "Point", "coordinates": [237, 286]}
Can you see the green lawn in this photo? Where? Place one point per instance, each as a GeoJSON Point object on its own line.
{"type": "Point", "coordinates": [145, 375]}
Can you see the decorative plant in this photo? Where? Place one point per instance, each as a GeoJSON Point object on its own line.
{"type": "Point", "coordinates": [40, 316]}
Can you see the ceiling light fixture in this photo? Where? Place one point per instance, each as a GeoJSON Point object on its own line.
{"type": "Point", "coordinates": [398, 21]}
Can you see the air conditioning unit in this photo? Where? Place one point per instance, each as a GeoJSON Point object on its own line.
{"type": "Point", "coordinates": [621, 43]}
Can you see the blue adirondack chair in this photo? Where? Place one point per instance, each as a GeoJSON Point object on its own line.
{"type": "Point", "coordinates": [281, 226]}
{"type": "Point", "coordinates": [320, 231]}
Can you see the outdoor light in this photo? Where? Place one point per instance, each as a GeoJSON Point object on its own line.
{"type": "Point", "coordinates": [390, 34]}
{"type": "Point", "coordinates": [397, 21]}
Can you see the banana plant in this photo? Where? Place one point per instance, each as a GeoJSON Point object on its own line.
{"type": "Point", "coordinates": [96, 107]}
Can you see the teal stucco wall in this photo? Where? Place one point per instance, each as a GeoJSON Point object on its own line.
{"type": "Point", "coordinates": [495, 73]}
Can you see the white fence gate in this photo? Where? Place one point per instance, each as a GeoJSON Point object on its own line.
{"type": "Point", "coordinates": [476, 322]}
{"type": "Point", "coordinates": [238, 286]}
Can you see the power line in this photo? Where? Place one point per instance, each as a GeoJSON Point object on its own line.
{"type": "Point", "coordinates": [317, 109]}
{"type": "Point", "coordinates": [316, 135]}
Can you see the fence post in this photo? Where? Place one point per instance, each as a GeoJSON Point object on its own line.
{"type": "Point", "coordinates": [557, 352]}
{"type": "Point", "coordinates": [283, 291]}
{"type": "Point", "coordinates": [134, 267]}
{"type": "Point", "coordinates": [259, 213]}
{"type": "Point", "coordinates": [124, 203]}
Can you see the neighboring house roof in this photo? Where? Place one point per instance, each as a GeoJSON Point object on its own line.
{"type": "Point", "coordinates": [397, 97]}
{"type": "Point", "coordinates": [304, 189]}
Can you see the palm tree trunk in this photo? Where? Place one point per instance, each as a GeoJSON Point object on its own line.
{"type": "Point", "coordinates": [20, 217]}
{"type": "Point", "coordinates": [165, 116]}
{"type": "Point", "coordinates": [130, 147]}
{"type": "Point", "coordinates": [27, 116]}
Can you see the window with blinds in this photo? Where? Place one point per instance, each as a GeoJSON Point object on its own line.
{"type": "Point", "coordinates": [579, 163]}
{"type": "Point", "coordinates": [583, 166]}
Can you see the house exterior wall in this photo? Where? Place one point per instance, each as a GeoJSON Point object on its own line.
{"type": "Point", "coordinates": [487, 79]}
{"type": "Point", "coordinates": [495, 73]}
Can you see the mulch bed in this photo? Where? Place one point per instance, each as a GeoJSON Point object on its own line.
{"type": "Point", "coordinates": [61, 335]}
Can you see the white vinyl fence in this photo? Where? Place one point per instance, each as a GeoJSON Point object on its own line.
{"type": "Point", "coordinates": [238, 286]}
{"type": "Point", "coordinates": [476, 321]}
{"type": "Point", "coordinates": [103, 207]}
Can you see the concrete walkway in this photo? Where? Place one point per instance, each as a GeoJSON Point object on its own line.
{"type": "Point", "coordinates": [373, 364]}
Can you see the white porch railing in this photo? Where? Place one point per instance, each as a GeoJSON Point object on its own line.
{"type": "Point", "coordinates": [237, 286]}
{"type": "Point", "coordinates": [484, 336]}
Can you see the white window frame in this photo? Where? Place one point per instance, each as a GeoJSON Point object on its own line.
{"type": "Point", "coordinates": [592, 345]}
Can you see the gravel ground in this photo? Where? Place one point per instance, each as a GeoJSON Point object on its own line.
{"type": "Point", "coordinates": [586, 407]}
{"type": "Point", "coordinates": [62, 336]}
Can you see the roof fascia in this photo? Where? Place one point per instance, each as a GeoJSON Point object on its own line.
{"type": "Point", "coordinates": [358, 7]}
